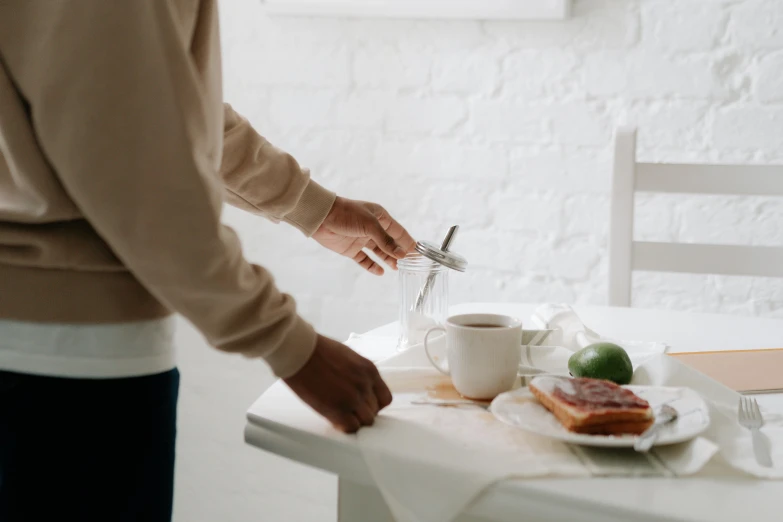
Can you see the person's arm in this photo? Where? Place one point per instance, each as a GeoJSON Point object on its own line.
{"type": "Point", "coordinates": [264, 180]}
{"type": "Point", "coordinates": [121, 114]}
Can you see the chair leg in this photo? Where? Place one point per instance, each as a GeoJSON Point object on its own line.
{"type": "Point", "coordinates": [621, 222]}
{"type": "Point", "coordinates": [360, 503]}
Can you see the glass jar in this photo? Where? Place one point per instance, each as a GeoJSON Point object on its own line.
{"type": "Point", "coordinates": [423, 304]}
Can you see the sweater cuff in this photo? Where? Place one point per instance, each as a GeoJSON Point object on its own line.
{"type": "Point", "coordinates": [296, 350]}
{"type": "Point", "coordinates": [311, 210]}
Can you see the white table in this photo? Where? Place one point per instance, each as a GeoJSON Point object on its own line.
{"type": "Point", "coordinates": [278, 422]}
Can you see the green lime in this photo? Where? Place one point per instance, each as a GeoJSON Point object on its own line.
{"type": "Point", "coordinates": [602, 361]}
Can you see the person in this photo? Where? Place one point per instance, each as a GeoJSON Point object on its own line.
{"type": "Point", "coordinates": [116, 155]}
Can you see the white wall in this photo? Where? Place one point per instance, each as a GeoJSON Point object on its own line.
{"type": "Point", "coordinates": [505, 129]}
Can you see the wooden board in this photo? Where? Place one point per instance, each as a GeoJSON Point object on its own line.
{"type": "Point", "coordinates": [746, 371]}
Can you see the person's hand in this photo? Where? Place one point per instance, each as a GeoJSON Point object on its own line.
{"type": "Point", "coordinates": [341, 385]}
{"type": "Point", "coordinates": [353, 226]}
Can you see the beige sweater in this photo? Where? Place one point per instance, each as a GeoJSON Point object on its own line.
{"type": "Point", "coordinates": [116, 154]}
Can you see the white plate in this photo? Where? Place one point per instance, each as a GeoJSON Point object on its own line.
{"type": "Point", "coordinates": [521, 409]}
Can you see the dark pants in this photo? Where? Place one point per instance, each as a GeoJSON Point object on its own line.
{"type": "Point", "coordinates": [87, 449]}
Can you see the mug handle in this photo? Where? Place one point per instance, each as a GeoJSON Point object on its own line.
{"type": "Point", "coordinates": [437, 366]}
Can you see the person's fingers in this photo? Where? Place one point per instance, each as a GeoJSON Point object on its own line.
{"type": "Point", "coordinates": [384, 241]}
{"type": "Point", "coordinates": [365, 414]}
{"type": "Point", "coordinates": [383, 256]}
{"type": "Point", "coordinates": [372, 400]}
{"type": "Point", "coordinates": [394, 229]}
{"type": "Point", "coordinates": [367, 263]}
{"type": "Point", "coordinates": [355, 246]}
{"type": "Point", "coordinates": [346, 422]}
{"type": "Point", "coordinates": [382, 392]}
{"type": "Point", "coordinates": [391, 261]}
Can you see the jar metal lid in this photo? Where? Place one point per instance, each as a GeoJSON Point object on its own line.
{"type": "Point", "coordinates": [445, 258]}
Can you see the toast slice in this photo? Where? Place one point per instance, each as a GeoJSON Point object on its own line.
{"type": "Point", "coordinates": [593, 406]}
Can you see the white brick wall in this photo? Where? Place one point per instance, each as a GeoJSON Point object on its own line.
{"type": "Point", "coordinates": [671, 25]}
{"type": "Point", "coordinates": [505, 128]}
{"type": "Point", "coordinates": [769, 87]}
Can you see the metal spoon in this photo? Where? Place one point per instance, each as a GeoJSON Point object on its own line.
{"type": "Point", "coordinates": [425, 290]}
{"type": "Point", "coordinates": [665, 415]}
{"type": "Point", "coordinates": [452, 403]}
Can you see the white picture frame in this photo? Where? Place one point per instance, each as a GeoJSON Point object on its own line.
{"type": "Point", "coordinates": [425, 9]}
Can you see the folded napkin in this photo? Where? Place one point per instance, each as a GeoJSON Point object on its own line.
{"type": "Point", "coordinates": [733, 442]}
{"type": "Point", "coordinates": [430, 463]}
{"type": "Point", "coordinates": [429, 477]}
{"type": "Point", "coordinates": [569, 334]}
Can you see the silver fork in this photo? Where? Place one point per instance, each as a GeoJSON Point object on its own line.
{"type": "Point", "coordinates": [750, 417]}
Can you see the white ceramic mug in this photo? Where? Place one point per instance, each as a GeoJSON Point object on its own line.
{"type": "Point", "coordinates": [483, 351]}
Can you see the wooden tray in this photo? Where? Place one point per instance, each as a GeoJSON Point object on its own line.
{"type": "Point", "coordinates": [745, 371]}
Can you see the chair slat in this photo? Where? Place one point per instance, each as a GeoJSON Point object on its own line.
{"type": "Point", "coordinates": [762, 261]}
{"type": "Point", "coordinates": [743, 180]}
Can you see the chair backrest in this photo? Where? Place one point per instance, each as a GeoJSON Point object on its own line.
{"type": "Point", "coordinates": [627, 255]}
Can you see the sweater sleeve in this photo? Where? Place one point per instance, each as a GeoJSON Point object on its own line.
{"type": "Point", "coordinates": [264, 180]}
{"type": "Point", "coordinates": [127, 119]}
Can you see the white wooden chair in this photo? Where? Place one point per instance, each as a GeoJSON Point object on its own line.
{"type": "Point", "coordinates": [627, 255]}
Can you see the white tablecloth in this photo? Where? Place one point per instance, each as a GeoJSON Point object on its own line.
{"type": "Point", "coordinates": [459, 452]}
